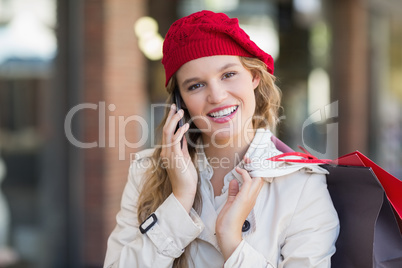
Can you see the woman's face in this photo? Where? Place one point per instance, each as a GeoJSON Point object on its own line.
{"type": "Point", "coordinates": [218, 93]}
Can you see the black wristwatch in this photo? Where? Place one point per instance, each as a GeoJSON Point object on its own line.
{"type": "Point", "coordinates": [148, 223]}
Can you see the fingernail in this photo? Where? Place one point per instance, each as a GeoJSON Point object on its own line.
{"type": "Point", "coordinates": [173, 106]}
{"type": "Point", "coordinates": [181, 111]}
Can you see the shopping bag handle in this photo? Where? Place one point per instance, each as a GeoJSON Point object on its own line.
{"type": "Point", "coordinates": [305, 158]}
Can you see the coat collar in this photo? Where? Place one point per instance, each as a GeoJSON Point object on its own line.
{"type": "Point", "coordinates": [261, 147]}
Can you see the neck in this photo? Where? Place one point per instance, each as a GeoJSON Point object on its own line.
{"type": "Point", "coordinates": [229, 152]}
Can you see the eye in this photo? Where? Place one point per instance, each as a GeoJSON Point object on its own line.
{"type": "Point", "coordinates": [228, 75]}
{"type": "Point", "coordinates": [195, 86]}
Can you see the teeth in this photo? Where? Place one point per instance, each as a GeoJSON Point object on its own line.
{"type": "Point", "coordinates": [224, 112]}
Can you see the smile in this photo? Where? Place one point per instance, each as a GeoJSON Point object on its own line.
{"type": "Point", "coordinates": [224, 112]}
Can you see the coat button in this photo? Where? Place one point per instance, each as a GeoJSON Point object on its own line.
{"type": "Point", "coordinates": [246, 226]}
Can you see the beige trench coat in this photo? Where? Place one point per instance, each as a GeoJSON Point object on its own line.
{"type": "Point", "coordinates": [293, 223]}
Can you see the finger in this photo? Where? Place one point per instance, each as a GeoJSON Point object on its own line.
{"type": "Point", "coordinates": [174, 121]}
{"type": "Point", "coordinates": [246, 177]}
{"type": "Point", "coordinates": [179, 136]}
{"type": "Point", "coordinates": [233, 190]}
{"type": "Point", "coordinates": [180, 132]}
{"type": "Point", "coordinates": [185, 148]}
{"type": "Point", "coordinates": [246, 159]}
{"type": "Point", "coordinates": [171, 112]}
{"type": "Point", "coordinates": [257, 182]}
{"type": "Point", "coordinates": [256, 186]}
{"type": "Point", "coordinates": [170, 127]}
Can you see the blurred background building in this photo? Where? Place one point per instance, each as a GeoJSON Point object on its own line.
{"type": "Point", "coordinates": [79, 81]}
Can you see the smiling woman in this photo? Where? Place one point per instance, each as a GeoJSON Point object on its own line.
{"type": "Point", "coordinates": [227, 88]}
{"type": "Point", "coordinates": [196, 205]}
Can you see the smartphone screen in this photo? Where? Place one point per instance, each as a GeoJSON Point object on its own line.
{"type": "Point", "coordinates": [178, 105]}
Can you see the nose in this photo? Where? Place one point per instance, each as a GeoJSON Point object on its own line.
{"type": "Point", "coordinates": [216, 93]}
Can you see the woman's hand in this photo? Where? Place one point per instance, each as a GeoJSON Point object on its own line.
{"type": "Point", "coordinates": [238, 206]}
{"type": "Point", "coordinates": [177, 161]}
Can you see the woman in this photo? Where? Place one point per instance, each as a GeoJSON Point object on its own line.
{"type": "Point", "coordinates": [199, 200]}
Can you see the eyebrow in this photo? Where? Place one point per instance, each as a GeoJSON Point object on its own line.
{"type": "Point", "coordinates": [193, 79]}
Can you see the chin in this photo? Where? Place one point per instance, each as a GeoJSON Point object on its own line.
{"type": "Point", "coordinates": [224, 135]}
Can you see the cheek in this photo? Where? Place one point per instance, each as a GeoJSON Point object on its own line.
{"type": "Point", "coordinates": [250, 103]}
{"type": "Point", "coordinates": [193, 105]}
{"type": "Point", "coordinates": [191, 108]}
{"type": "Point", "coordinates": [201, 122]}
{"type": "Point", "coordinates": [196, 112]}
{"type": "Point", "coordinates": [247, 94]}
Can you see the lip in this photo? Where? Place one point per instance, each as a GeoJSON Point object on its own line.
{"type": "Point", "coordinates": [225, 119]}
{"type": "Point", "coordinates": [220, 108]}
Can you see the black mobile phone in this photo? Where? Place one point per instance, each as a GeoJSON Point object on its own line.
{"type": "Point", "coordinates": [177, 100]}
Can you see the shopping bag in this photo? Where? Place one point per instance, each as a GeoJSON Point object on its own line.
{"type": "Point", "coordinates": [369, 204]}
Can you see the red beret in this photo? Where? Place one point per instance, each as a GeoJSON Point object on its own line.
{"type": "Point", "coordinates": [204, 34]}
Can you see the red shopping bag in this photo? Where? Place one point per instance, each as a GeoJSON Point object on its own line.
{"type": "Point", "coordinates": [369, 204]}
{"type": "Point", "coordinates": [391, 185]}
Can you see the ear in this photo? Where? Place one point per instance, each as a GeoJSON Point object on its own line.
{"type": "Point", "coordinates": [256, 80]}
